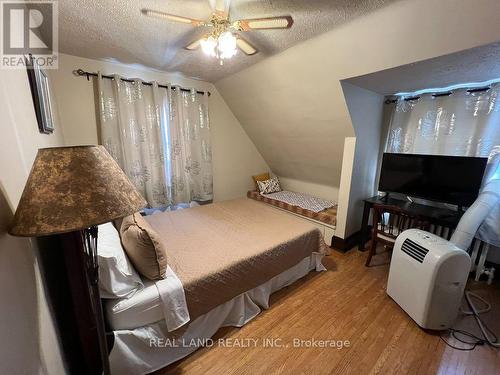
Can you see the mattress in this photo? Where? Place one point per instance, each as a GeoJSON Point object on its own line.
{"type": "Point", "coordinates": [144, 307]}
{"type": "Point", "coordinates": [221, 250]}
{"type": "Point", "coordinates": [327, 216]}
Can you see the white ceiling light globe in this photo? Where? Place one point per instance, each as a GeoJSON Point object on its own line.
{"type": "Point", "coordinates": [208, 46]}
{"type": "Point", "coordinates": [226, 45]}
{"type": "Point", "coordinates": [227, 54]}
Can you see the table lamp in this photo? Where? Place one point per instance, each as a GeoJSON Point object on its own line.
{"type": "Point", "coordinates": [70, 190]}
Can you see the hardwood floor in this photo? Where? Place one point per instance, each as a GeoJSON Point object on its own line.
{"type": "Point", "coordinates": [346, 303]}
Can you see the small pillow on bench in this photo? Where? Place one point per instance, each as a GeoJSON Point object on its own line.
{"type": "Point", "coordinates": [260, 177]}
{"type": "Point", "coordinates": [270, 186]}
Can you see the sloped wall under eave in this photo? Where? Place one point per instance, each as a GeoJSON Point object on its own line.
{"type": "Point", "coordinates": [234, 157]}
{"type": "Point", "coordinates": [295, 119]}
{"type": "Point", "coordinates": [292, 105]}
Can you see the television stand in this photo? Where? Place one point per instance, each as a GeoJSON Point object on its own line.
{"type": "Point", "coordinates": [443, 217]}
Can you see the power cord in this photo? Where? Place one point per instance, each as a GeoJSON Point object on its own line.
{"type": "Point", "coordinates": [486, 331]}
{"type": "Point", "coordinates": [473, 344]}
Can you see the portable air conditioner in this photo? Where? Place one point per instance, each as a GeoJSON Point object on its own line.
{"type": "Point", "coordinates": [427, 278]}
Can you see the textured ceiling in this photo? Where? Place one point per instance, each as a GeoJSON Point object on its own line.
{"type": "Point", "coordinates": [116, 29]}
{"type": "Point", "coordinates": [473, 65]}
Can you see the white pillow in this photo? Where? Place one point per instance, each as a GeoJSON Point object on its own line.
{"type": "Point", "coordinates": [117, 276]}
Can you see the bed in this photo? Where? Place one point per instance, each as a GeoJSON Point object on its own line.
{"type": "Point", "coordinates": [229, 257]}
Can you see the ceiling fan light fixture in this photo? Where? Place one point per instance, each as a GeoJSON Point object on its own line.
{"type": "Point", "coordinates": [226, 45]}
{"type": "Point", "coordinates": [208, 46]}
{"type": "Point", "coordinates": [220, 42]}
{"type": "Point", "coordinates": [222, 47]}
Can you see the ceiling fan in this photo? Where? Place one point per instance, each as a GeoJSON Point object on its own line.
{"type": "Point", "coordinates": [224, 39]}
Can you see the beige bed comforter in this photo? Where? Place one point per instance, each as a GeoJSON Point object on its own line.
{"type": "Point", "coordinates": [221, 250]}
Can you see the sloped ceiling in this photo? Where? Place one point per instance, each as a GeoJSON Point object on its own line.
{"type": "Point", "coordinates": [116, 30]}
{"type": "Point", "coordinates": [478, 64]}
{"type": "Point", "coordinates": [292, 104]}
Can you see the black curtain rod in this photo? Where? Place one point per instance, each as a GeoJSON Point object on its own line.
{"type": "Point", "coordinates": [437, 95]}
{"type": "Point", "coordinates": [83, 73]}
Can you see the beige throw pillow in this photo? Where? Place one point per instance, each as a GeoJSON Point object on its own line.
{"type": "Point", "coordinates": [260, 177]}
{"type": "Point", "coordinates": [143, 247]}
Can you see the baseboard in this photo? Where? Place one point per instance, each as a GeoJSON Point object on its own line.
{"type": "Point", "coordinates": [346, 244]}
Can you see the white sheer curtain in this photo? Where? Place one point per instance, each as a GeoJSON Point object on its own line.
{"type": "Point", "coordinates": [144, 127]}
{"type": "Point", "coordinates": [188, 144]}
{"type": "Point", "coordinates": [462, 124]}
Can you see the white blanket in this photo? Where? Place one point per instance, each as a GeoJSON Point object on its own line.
{"type": "Point", "coordinates": [301, 200]}
{"type": "Point", "coordinates": [173, 299]}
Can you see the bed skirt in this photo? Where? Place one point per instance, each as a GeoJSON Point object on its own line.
{"type": "Point", "coordinates": [149, 348]}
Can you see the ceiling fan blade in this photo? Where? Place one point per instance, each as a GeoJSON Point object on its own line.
{"type": "Point", "coordinates": [193, 45]}
{"type": "Point", "coordinates": [283, 22]}
{"type": "Point", "coordinates": [196, 44]}
{"type": "Point", "coordinates": [172, 17]}
{"type": "Point", "coordinates": [245, 46]}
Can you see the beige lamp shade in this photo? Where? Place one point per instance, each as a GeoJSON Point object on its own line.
{"type": "Point", "coordinates": [72, 188]}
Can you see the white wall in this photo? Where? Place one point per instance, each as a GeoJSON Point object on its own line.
{"type": "Point", "coordinates": [292, 105]}
{"type": "Point", "coordinates": [317, 190]}
{"type": "Point", "coordinates": [28, 340]}
{"type": "Point", "coordinates": [346, 182]}
{"type": "Point", "coordinates": [234, 156]}
{"type": "Point", "coordinates": [366, 112]}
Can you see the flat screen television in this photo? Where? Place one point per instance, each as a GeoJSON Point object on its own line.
{"type": "Point", "coordinates": [449, 179]}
